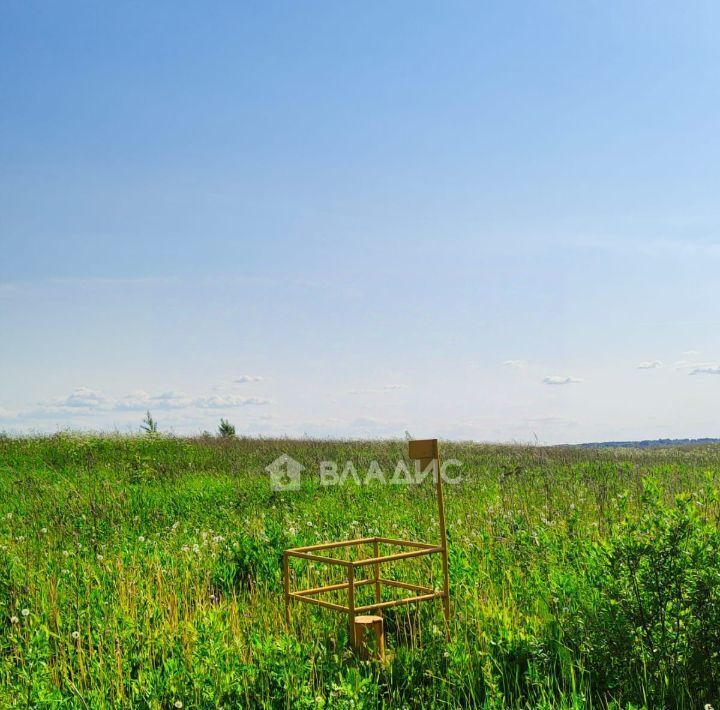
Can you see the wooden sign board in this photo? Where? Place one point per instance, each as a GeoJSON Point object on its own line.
{"type": "Point", "coordinates": [423, 449]}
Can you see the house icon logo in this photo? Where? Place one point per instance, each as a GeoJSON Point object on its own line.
{"type": "Point", "coordinates": [285, 473]}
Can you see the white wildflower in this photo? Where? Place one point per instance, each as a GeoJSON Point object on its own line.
{"type": "Point", "coordinates": [75, 635]}
{"type": "Point", "coordinates": [25, 612]}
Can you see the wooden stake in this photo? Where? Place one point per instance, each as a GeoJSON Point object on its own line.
{"type": "Point", "coordinates": [286, 581]}
{"type": "Point", "coordinates": [370, 637]}
{"type": "Point", "coordinates": [351, 604]}
{"type": "Point", "coordinates": [443, 543]}
{"type": "Point", "coordinates": [376, 553]}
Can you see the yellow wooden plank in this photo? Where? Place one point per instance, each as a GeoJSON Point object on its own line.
{"type": "Point", "coordinates": [399, 602]}
{"type": "Point", "coordinates": [331, 545]}
{"type": "Point", "coordinates": [318, 558]}
{"type": "Point", "coordinates": [396, 556]}
{"type": "Point", "coordinates": [318, 602]}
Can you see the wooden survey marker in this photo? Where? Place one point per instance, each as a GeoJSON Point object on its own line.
{"type": "Point", "coordinates": [427, 454]}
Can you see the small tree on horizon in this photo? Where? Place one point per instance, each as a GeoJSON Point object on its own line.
{"type": "Point", "coordinates": [226, 429]}
{"type": "Point", "coordinates": [149, 425]}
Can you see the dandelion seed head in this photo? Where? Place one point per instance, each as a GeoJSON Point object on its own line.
{"type": "Point", "coordinates": [25, 612]}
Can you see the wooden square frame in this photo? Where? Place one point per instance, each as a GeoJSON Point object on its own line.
{"type": "Point", "coordinates": [425, 451]}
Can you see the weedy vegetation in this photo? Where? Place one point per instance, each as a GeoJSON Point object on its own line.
{"type": "Point", "coordinates": [145, 572]}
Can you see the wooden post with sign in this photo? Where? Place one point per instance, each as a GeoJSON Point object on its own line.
{"type": "Point", "coordinates": [365, 622]}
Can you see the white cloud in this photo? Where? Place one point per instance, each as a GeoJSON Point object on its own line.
{"type": "Point", "coordinates": [87, 401]}
{"type": "Point", "coordinates": [690, 353]}
{"type": "Point", "coordinates": [517, 364]}
{"type": "Point", "coordinates": [81, 398]}
{"type": "Point", "coordinates": [560, 380]}
{"type": "Point", "coordinates": [217, 401]}
{"type": "Point", "coordinates": [706, 370]}
{"type": "Point", "coordinates": [138, 399]}
{"type": "Point", "coordinates": [247, 378]}
{"type": "Point", "coordinates": [649, 365]}
{"type": "Point", "coordinates": [141, 400]}
{"type": "Point", "coordinates": [85, 397]}
{"type": "Point", "coordinates": [696, 367]}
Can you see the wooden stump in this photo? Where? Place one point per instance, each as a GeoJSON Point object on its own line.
{"type": "Point", "coordinates": [370, 637]}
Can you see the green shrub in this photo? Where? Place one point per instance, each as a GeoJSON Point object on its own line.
{"type": "Point", "coordinates": [644, 609]}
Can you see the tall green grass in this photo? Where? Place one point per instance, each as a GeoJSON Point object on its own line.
{"type": "Point", "coordinates": [145, 572]}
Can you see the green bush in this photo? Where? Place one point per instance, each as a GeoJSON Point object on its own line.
{"type": "Point", "coordinates": [643, 611]}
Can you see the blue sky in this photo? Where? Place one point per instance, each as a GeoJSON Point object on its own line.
{"type": "Point", "coordinates": [495, 221]}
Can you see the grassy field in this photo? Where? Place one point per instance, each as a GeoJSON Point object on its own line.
{"type": "Point", "coordinates": [146, 572]}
